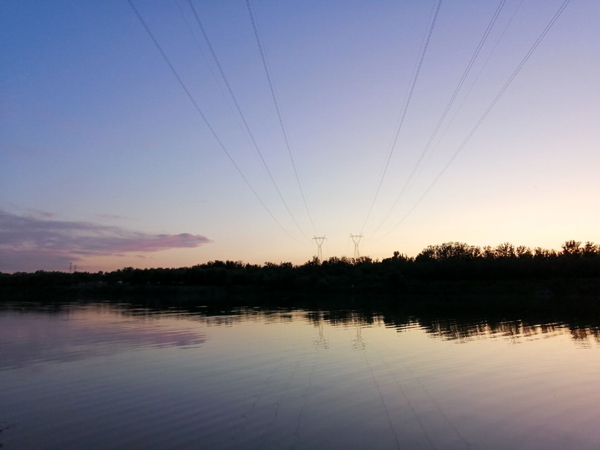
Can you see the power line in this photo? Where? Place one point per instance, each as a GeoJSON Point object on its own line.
{"type": "Point", "coordinates": [448, 106]}
{"type": "Point", "coordinates": [239, 110]}
{"type": "Point", "coordinates": [485, 114]}
{"type": "Point", "coordinates": [209, 66]}
{"type": "Point", "coordinates": [279, 114]}
{"type": "Point", "coordinates": [214, 75]}
{"type": "Point", "coordinates": [414, 70]}
{"type": "Point", "coordinates": [213, 132]}
{"type": "Point", "coordinates": [469, 91]}
{"type": "Point", "coordinates": [406, 105]}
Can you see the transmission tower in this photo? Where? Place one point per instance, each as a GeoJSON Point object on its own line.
{"type": "Point", "coordinates": [356, 239]}
{"type": "Point", "coordinates": [319, 241]}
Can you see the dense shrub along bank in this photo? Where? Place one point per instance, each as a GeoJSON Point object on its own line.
{"type": "Point", "coordinates": [437, 265]}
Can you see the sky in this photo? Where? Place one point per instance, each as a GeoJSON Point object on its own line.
{"type": "Point", "coordinates": [105, 161]}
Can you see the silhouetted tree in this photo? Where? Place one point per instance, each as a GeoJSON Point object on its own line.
{"type": "Point", "coordinates": [542, 253]}
{"type": "Point", "coordinates": [447, 262]}
{"type": "Point", "coordinates": [571, 248]}
{"type": "Point", "coordinates": [591, 250]}
{"type": "Point", "coordinates": [505, 250]}
{"type": "Point", "coordinates": [523, 252]}
{"type": "Point", "coordinates": [488, 252]}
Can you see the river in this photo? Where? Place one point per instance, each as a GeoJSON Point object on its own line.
{"type": "Point", "coordinates": [121, 376]}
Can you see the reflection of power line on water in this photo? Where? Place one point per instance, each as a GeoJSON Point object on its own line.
{"type": "Point", "coordinates": [317, 319]}
{"type": "Point", "coordinates": [245, 415]}
{"type": "Point", "coordinates": [410, 405]}
{"type": "Point", "coordinates": [387, 412]}
{"type": "Point", "coordinates": [320, 343]}
{"type": "Point", "coordinates": [279, 401]}
{"type": "Point", "coordinates": [358, 343]}
{"type": "Point", "coordinates": [428, 394]}
{"type": "Point", "coordinates": [305, 395]}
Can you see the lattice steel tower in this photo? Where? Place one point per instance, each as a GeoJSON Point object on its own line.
{"type": "Point", "coordinates": [319, 241]}
{"type": "Point", "coordinates": [356, 239]}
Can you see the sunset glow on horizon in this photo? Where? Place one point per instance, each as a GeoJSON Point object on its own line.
{"type": "Point", "coordinates": [411, 123]}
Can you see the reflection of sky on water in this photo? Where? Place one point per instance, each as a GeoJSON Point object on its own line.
{"type": "Point", "coordinates": [293, 378]}
{"type": "Point", "coordinates": [31, 334]}
{"type": "Point", "coordinates": [31, 337]}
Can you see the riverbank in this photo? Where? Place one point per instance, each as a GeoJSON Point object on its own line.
{"type": "Point", "coordinates": [562, 294]}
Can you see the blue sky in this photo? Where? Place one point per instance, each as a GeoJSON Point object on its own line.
{"type": "Point", "coordinates": [96, 129]}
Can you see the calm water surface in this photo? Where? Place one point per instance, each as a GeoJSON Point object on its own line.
{"type": "Point", "coordinates": [113, 376]}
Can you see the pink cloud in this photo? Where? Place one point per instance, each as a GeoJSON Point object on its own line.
{"type": "Point", "coordinates": [32, 243]}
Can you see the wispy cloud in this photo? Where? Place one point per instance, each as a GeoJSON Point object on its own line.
{"type": "Point", "coordinates": [34, 242]}
{"type": "Point", "coordinates": [111, 216]}
{"type": "Point", "coordinates": [31, 212]}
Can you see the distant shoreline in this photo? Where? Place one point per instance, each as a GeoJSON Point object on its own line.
{"type": "Point", "coordinates": [453, 272]}
{"type": "Point", "coordinates": [555, 294]}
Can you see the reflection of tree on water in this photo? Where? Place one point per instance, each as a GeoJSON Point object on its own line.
{"type": "Point", "coordinates": [449, 325]}
{"type": "Point", "coordinates": [445, 323]}
{"type": "Point", "coordinates": [584, 335]}
{"type": "Point", "coordinates": [513, 330]}
{"type": "Point", "coordinates": [464, 327]}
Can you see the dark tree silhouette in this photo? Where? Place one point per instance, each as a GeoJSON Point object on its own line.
{"type": "Point", "coordinates": [450, 262]}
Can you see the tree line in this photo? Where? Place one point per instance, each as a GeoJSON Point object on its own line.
{"type": "Point", "coordinates": [444, 263]}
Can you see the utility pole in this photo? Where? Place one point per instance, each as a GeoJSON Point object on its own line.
{"type": "Point", "coordinates": [356, 239]}
{"type": "Point", "coordinates": [319, 241]}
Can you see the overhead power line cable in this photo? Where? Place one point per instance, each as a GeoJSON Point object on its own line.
{"type": "Point", "coordinates": [205, 120]}
{"type": "Point", "coordinates": [214, 75]}
{"type": "Point", "coordinates": [446, 109]}
{"type": "Point", "coordinates": [278, 109]}
{"type": "Point", "coordinates": [468, 93]}
{"type": "Point", "coordinates": [244, 121]}
{"type": "Point", "coordinates": [414, 70]}
{"type": "Point", "coordinates": [403, 116]}
{"type": "Point", "coordinates": [485, 114]}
